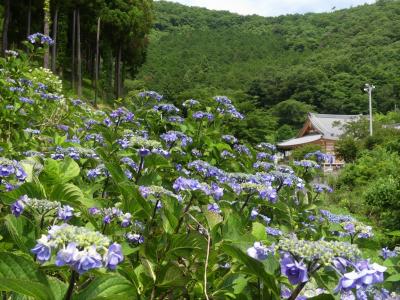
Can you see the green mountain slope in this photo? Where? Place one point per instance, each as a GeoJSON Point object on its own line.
{"type": "Point", "coordinates": [319, 59]}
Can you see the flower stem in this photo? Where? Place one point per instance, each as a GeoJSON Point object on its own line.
{"type": "Point", "coordinates": [245, 203]}
{"type": "Point", "coordinates": [297, 291]}
{"type": "Point", "coordinates": [139, 173]}
{"type": "Point", "coordinates": [105, 187]}
{"type": "Point", "coordinates": [155, 210]}
{"type": "Point", "coordinates": [70, 291]}
{"type": "Point", "coordinates": [184, 212]}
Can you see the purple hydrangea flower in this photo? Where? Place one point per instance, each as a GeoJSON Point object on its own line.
{"type": "Point", "coordinates": [387, 253]}
{"type": "Point", "coordinates": [144, 152]}
{"type": "Point", "coordinates": [67, 256]}
{"type": "Point", "coordinates": [17, 208]}
{"type": "Point", "coordinates": [88, 260]}
{"type": "Point", "coordinates": [135, 238]}
{"type": "Point", "coordinates": [273, 231]}
{"type": "Point", "coordinates": [258, 251]}
{"type": "Point", "coordinates": [214, 207]}
{"type": "Point", "coordinates": [126, 220]}
{"type": "Point", "coordinates": [42, 250]}
{"type": "Point", "coordinates": [94, 211]}
{"type": "Point", "coordinates": [364, 275]}
{"type": "Point", "coordinates": [166, 108]}
{"type": "Point", "coordinates": [42, 38]}
{"type": "Point", "coordinates": [151, 94]}
{"type": "Point", "coordinates": [295, 271]}
{"type": "Point", "coordinates": [341, 264]}
{"type": "Point", "coordinates": [65, 213]}
{"type": "Point", "coordinates": [114, 256]}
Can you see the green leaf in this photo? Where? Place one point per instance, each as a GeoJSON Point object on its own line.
{"type": "Point", "coordinates": [21, 275]}
{"type": "Point", "coordinates": [171, 276]}
{"type": "Point", "coordinates": [239, 284]}
{"type": "Point", "coordinates": [148, 266]}
{"type": "Point", "coordinates": [29, 188]}
{"type": "Point", "coordinates": [258, 231]}
{"type": "Point", "coordinates": [213, 219]}
{"type": "Point", "coordinates": [67, 192]}
{"type": "Point", "coordinates": [394, 233]}
{"type": "Point", "coordinates": [255, 267]}
{"type": "Point", "coordinates": [393, 278]}
{"type": "Point", "coordinates": [57, 287]}
{"type": "Point", "coordinates": [184, 244]}
{"type": "Point", "coordinates": [15, 228]}
{"type": "Point", "coordinates": [108, 287]}
{"type": "Point", "coordinates": [58, 172]}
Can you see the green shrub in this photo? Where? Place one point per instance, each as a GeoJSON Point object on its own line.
{"type": "Point", "coordinates": [383, 196]}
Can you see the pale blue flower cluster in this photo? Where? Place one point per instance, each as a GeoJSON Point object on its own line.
{"type": "Point", "coordinates": [42, 207]}
{"type": "Point", "coordinates": [40, 37]}
{"type": "Point", "coordinates": [150, 94]}
{"type": "Point", "coordinates": [79, 248]}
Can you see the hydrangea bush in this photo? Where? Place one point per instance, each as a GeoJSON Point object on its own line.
{"type": "Point", "coordinates": [152, 200]}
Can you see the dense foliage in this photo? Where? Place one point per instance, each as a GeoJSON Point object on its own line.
{"type": "Point", "coordinates": [320, 59]}
{"type": "Point", "coordinates": [369, 182]}
{"type": "Point", "coordinates": [150, 200]}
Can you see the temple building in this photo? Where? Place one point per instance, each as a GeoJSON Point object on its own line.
{"type": "Point", "coordinates": [320, 129]}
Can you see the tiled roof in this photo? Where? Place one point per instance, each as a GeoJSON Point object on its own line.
{"type": "Point", "coordinates": [300, 141]}
{"type": "Point", "coordinates": [331, 126]}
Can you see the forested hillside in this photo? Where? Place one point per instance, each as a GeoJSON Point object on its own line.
{"type": "Point", "coordinates": [319, 59]}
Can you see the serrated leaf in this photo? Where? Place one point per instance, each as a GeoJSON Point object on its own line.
{"type": "Point", "coordinates": [15, 227]}
{"type": "Point", "coordinates": [67, 192]}
{"type": "Point", "coordinates": [108, 287]}
{"type": "Point", "coordinates": [33, 190]}
{"type": "Point", "coordinates": [21, 275]}
{"type": "Point", "coordinates": [58, 172]}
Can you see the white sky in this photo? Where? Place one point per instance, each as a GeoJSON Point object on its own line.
{"type": "Point", "coordinates": [274, 7]}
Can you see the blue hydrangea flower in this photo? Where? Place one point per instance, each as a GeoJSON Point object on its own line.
{"type": "Point", "coordinates": [135, 238]}
{"type": "Point", "coordinates": [259, 251]}
{"type": "Point", "coordinates": [295, 271]}
{"type": "Point", "coordinates": [67, 256]}
{"type": "Point", "coordinates": [17, 208]}
{"type": "Point", "coordinates": [273, 231]}
{"type": "Point", "coordinates": [364, 275]}
{"type": "Point", "coordinates": [40, 37]}
{"type": "Point", "coordinates": [65, 213]}
{"type": "Point", "coordinates": [114, 256]}
{"type": "Point", "coordinates": [42, 250]}
{"type": "Point", "coordinates": [87, 260]}
{"type": "Point", "coordinates": [151, 94]}
{"type": "Point", "coordinates": [214, 207]}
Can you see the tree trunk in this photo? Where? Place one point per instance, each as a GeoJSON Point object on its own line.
{"type": "Point", "coordinates": [96, 64]}
{"type": "Point", "coordinates": [73, 49]}
{"type": "Point", "coordinates": [54, 49]}
{"type": "Point", "coordinates": [46, 31]}
{"type": "Point", "coordinates": [117, 79]}
{"type": "Point", "coordinates": [79, 58]}
{"type": "Point", "coordinates": [6, 22]}
{"type": "Point", "coordinates": [28, 30]}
